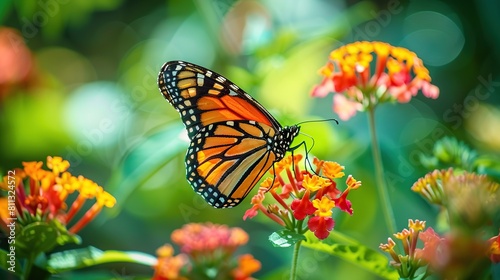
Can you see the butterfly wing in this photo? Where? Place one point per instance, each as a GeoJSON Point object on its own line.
{"type": "Point", "coordinates": [234, 140]}
{"type": "Point", "coordinates": [203, 97]}
{"type": "Point", "coordinates": [225, 160]}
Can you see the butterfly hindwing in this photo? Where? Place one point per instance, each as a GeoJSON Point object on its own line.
{"type": "Point", "coordinates": [234, 139]}
{"type": "Point", "coordinates": [225, 160]}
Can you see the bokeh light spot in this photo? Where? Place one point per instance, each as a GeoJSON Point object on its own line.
{"type": "Point", "coordinates": [436, 38]}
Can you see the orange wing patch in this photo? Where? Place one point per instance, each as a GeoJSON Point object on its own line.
{"type": "Point", "coordinates": [215, 109]}
{"type": "Point", "coordinates": [228, 131]}
{"type": "Point", "coordinates": [185, 74]}
{"type": "Point", "coordinates": [186, 83]}
{"type": "Point", "coordinates": [219, 141]}
{"type": "Point", "coordinates": [257, 172]}
{"type": "Point", "coordinates": [234, 182]}
{"type": "Point", "coordinates": [244, 109]}
{"type": "Point", "coordinates": [247, 144]}
{"type": "Point", "coordinates": [251, 130]}
{"type": "Point", "coordinates": [218, 172]}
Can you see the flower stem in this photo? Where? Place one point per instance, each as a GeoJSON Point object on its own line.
{"type": "Point", "coordinates": [28, 265]}
{"type": "Point", "coordinates": [295, 257]}
{"type": "Point", "coordinates": [379, 174]}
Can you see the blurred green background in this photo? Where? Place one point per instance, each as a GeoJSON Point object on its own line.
{"type": "Point", "coordinates": [78, 80]}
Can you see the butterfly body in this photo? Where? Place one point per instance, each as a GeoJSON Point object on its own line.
{"type": "Point", "coordinates": [234, 140]}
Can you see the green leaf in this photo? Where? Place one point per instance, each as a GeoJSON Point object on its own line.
{"type": "Point", "coordinates": [91, 256]}
{"type": "Point", "coordinates": [64, 236]}
{"type": "Point", "coordinates": [41, 237]}
{"type": "Point", "coordinates": [358, 254]}
{"type": "Point", "coordinates": [285, 238]}
{"type": "Point", "coordinates": [145, 160]}
{"type": "Point", "coordinates": [10, 264]}
{"type": "Point", "coordinates": [36, 238]}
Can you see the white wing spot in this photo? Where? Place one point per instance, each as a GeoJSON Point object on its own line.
{"type": "Point", "coordinates": [200, 81]}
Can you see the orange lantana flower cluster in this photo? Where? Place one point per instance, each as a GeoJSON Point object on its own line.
{"type": "Point", "coordinates": [207, 252]}
{"type": "Point", "coordinates": [302, 196]}
{"type": "Point", "coordinates": [363, 74]}
{"type": "Point", "coordinates": [42, 194]}
{"type": "Point", "coordinates": [469, 205]}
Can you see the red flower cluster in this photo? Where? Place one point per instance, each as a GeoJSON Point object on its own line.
{"type": "Point", "coordinates": [206, 253]}
{"type": "Point", "coordinates": [304, 196]}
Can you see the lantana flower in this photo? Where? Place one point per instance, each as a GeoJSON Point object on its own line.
{"type": "Point", "coordinates": [470, 200]}
{"type": "Point", "coordinates": [363, 74]}
{"type": "Point", "coordinates": [41, 195]}
{"type": "Point", "coordinates": [207, 251]}
{"type": "Point", "coordinates": [247, 265]}
{"type": "Point", "coordinates": [409, 260]}
{"type": "Point", "coordinates": [168, 266]}
{"type": "Point", "coordinates": [303, 200]}
{"type": "Point", "coordinates": [452, 255]}
{"type": "Point", "coordinates": [469, 204]}
{"type": "Point", "coordinates": [35, 208]}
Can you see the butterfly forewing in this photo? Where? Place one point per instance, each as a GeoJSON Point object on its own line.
{"type": "Point", "coordinates": [234, 140]}
{"type": "Point", "coordinates": [203, 97]}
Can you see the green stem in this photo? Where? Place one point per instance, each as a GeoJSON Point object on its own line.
{"type": "Point", "coordinates": [295, 257]}
{"type": "Point", "coordinates": [27, 268]}
{"type": "Point", "coordinates": [379, 175]}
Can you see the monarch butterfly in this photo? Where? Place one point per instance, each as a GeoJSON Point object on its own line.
{"type": "Point", "coordinates": [234, 139]}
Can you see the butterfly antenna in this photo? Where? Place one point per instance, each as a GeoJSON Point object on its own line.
{"type": "Point", "coordinates": [313, 142]}
{"type": "Point", "coordinates": [313, 121]}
